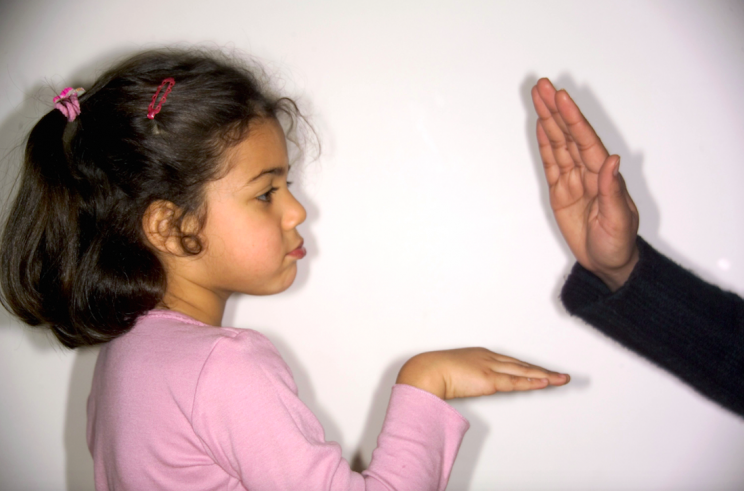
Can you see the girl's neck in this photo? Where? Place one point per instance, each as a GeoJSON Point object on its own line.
{"type": "Point", "coordinates": [193, 300]}
{"type": "Point", "coordinates": [212, 317]}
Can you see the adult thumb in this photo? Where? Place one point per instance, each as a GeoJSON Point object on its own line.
{"type": "Point", "coordinates": [611, 193]}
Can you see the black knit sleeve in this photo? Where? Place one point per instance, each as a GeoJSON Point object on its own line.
{"type": "Point", "coordinates": [665, 313]}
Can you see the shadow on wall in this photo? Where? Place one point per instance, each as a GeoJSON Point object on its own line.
{"type": "Point", "coordinates": [79, 463]}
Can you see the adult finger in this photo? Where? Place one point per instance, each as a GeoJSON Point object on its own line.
{"type": "Point", "coordinates": [592, 151]}
{"type": "Point", "coordinates": [555, 135]}
{"type": "Point", "coordinates": [547, 93]}
{"type": "Point", "coordinates": [552, 171]}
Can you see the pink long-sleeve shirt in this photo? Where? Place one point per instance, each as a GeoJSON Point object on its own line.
{"type": "Point", "coordinates": [179, 405]}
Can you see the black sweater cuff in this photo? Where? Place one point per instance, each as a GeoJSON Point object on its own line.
{"type": "Point", "coordinates": [667, 314]}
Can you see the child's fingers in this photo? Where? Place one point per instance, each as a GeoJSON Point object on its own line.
{"type": "Point", "coordinates": [507, 364]}
{"type": "Point", "coordinates": [511, 383]}
{"type": "Point", "coordinates": [555, 378]}
{"type": "Point", "coordinates": [517, 368]}
{"type": "Point", "coordinates": [507, 359]}
{"type": "Point", "coordinates": [507, 383]}
{"type": "Point", "coordinates": [558, 378]}
{"type": "Point", "coordinates": [511, 359]}
{"type": "Point", "coordinates": [499, 358]}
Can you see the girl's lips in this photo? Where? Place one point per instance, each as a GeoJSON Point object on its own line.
{"type": "Point", "coordinates": [299, 253]}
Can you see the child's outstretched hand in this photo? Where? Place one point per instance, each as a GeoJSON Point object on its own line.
{"type": "Point", "coordinates": [594, 211]}
{"type": "Point", "coordinates": [472, 372]}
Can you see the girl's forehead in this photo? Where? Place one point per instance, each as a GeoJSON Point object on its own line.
{"type": "Point", "coordinates": [263, 149]}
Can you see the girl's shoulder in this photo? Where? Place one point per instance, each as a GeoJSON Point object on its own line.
{"type": "Point", "coordinates": [179, 328]}
{"type": "Point", "coordinates": [171, 353]}
{"type": "Point", "coordinates": [175, 335]}
{"type": "Point", "coordinates": [226, 357]}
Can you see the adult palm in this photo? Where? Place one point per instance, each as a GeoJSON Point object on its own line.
{"type": "Point", "coordinates": [591, 204]}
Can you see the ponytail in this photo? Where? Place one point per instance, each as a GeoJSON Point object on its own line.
{"type": "Point", "coordinates": [63, 267]}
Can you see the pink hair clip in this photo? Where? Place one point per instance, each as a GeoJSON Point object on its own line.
{"type": "Point", "coordinates": [152, 109]}
{"type": "Point", "coordinates": [67, 102]}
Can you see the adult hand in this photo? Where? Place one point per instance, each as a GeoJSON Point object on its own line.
{"type": "Point", "coordinates": [594, 211]}
{"type": "Point", "coordinates": [472, 372]}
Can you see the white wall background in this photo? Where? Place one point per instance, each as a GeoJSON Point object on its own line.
{"type": "Point", "coordinates": [428, 225]}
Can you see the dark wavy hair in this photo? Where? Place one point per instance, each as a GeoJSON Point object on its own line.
{"type": "Point", "coordinates": [74, 255]}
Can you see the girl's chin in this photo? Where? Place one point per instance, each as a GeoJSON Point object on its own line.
{"type": "Point", "coordinates": [291, 277]}
{"type": "Point", "coordinates": [274, 287]}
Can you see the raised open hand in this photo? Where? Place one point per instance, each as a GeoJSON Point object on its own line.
{"type": "Point", "coordinates": [472, 372]}
{"type": "Point", "coordinates": [594, 211]}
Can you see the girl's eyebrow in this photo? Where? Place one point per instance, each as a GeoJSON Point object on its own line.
{"type": "Point", "coordinates": [277, 171]}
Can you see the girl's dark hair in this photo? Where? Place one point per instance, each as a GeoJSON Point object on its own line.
{"type": "Point", "coordinates": [74, 256]}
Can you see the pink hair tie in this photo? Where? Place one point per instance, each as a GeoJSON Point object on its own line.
{"type": "Point", "coordinates": [152, 109]}
{"type": "Point", "coordinates": [67, 102]}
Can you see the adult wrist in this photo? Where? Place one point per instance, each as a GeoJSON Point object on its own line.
{"type": "Point", "coordinates": [615, 278]}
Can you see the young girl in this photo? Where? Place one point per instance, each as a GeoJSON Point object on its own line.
{"type": "Point", "coordinates": [145, 202]}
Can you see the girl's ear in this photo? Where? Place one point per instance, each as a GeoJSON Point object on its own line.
{"type": "Point", "coordinates": [160, 227]}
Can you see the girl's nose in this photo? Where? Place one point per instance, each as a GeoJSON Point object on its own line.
{"type": "Point", "coordinates": [294, 213]}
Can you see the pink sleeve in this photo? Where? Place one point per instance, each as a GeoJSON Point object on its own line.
{"type": "Point", "coordinates": [251, 422]}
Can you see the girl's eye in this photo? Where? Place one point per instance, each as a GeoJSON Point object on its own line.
{"type": "Point", "coordinates": [266, 197]}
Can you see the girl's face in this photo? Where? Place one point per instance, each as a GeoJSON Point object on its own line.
{"type": "Point", "coordinates": [251, 241]}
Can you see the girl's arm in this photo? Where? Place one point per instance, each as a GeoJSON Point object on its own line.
{"type": "Point", "coordinates": [253, 424]}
